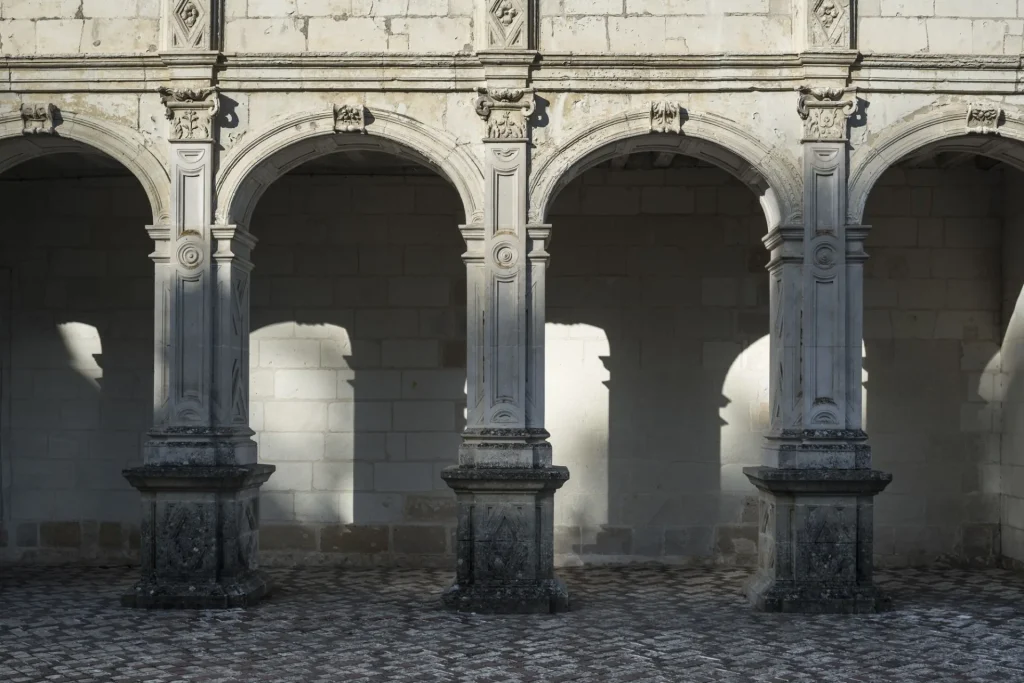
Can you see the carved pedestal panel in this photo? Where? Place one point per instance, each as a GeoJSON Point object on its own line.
{"type": "Point", "coordinates": [199, 536]}
{"type": "Point", "coordinates": [505, 541]}
{"type": "Point", "coordinates": [815, 541]}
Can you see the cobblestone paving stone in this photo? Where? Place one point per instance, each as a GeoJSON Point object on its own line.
{"type": "Point", "coordinates": [649, 624]}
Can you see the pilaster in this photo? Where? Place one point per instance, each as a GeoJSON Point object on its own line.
{"type": "Point", "coordinates": [191, 37]}
{"type": "Point", "coordinates": [505, 481]}
{"type": "Point", "coordinates": [200, 479]}
{"type": "Point", "coordinates": [817, 486]}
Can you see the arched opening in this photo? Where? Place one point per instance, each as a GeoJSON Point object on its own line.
{"type": "Point", "coordinates": [358, 348]}
{"type": "Point", "coordinates": [657, 390]}
{"type": "Point", "coordinates": [76, 352]}
{"type": "Point", "coordinates": [942, 326]}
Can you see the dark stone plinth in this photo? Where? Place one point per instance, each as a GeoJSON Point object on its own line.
{"type": "Point", "coordinates": [199, 536]}
{"type": "Point", "coordinates": [815, 540]}
{"type": "Point", "coordinates": [505, 540]}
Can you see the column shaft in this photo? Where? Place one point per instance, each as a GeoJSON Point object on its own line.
{"type": "Point", "coordinates": [200, 481]}
{"type": "Point", "coordinates": [817, 487]}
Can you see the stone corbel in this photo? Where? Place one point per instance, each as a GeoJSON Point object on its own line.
{"type": "Point", "coordinates": [666, 117]}
{"type": "Point", "coordinates": [507, 112]}
{"type": "Point", "coordinates": [984, 119]}
{"type": "Point", "coordinates": [825, 112]}
{"type": "Point", "coordinates": [38, 118]}
{"type": "Point", "coordinates": [191, 112]}
{"type": "Point", "coordinates": [349, 118]}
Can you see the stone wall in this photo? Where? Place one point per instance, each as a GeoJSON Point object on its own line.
{"type": "Point", "coordinates": [931, 328]}
{"type": "Point", "coordinates": [666, 26]}
{"type": "Point", "coordinates": [992, 27]}
{"type": "Point", "coordinates": [350, 26]}
{"type": "Point", "coordinates": [76, 291]}
{"type": "Point", "coordinates": [37, 27]}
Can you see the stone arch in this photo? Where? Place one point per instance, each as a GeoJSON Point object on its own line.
{"type": "Point", "coordinates": [292, 141]}
{"type": "Point", "coordinates": [123, 144]}
{"type": "Point", "coordinates": [705, 136]}
{"type": "Point", "coordinates": [942, 128]}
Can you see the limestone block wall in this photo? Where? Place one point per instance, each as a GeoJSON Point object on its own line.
{"type": "Point", "coordinates": [358, 354]}
{"type": "Point", "coordinates": [444, 26]}
{"type": "Point", "coordinates": [1012, 367]}
{"type": "Point", "coordinates": [991, 27]}
{"type": "Point", "coordinates": [36, 27]}
{"type": "Point", "coordinates": [76, 350]}
{"type": "Point", "coordinates": [932, 377]}
{"type": "Point", "coordinates": [666, 26]}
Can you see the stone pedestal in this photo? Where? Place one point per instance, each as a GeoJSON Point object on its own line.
{"type": "Point", "coordinates": [815, 540]}
{"type": "Point", "coordinates": [199, 537]}
{"type": "Point", "coordinates": [505, 544]}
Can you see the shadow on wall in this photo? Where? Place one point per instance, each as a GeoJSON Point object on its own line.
{"type": "Point", "coordinates": [932, 330]}
{"type": "Point", "coordinates": [76, 333]}
{"type": "Point", "coordinates": [657, 363]}
{"type": "Point", "coordinates": [358, 363]}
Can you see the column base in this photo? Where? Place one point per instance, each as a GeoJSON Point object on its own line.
{"type": "Point", "coordinates": [244, 591]}
{"type": "Point", "coordinates": [505, 540]}
{"type": "Point", "coordinates": [768, 595]}
{"type": "Point", "coordinates": [816, 541]}
{"type": "Point", "coordinates": [544, 597]}
{"type": "Point", "coordinates": [199, 536]}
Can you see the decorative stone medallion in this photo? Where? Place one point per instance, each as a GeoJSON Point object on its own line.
{"type": "Point", "coordinates": [984, 118]}
{"type": "Point", "coordinates": [38, 118]}
{"type": "Point", "coordinates": [349, 118]}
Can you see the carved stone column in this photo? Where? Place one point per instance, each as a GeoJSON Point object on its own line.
{"type": "Point", "coordinates": [817, 486]}
{"type": "Point", "coordinates": [200, 481]}
{"type": "Point", "coordinates": [505, 481]}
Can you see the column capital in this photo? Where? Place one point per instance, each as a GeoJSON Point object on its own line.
{"type": "Point", "coordinates": [191, 111]}
{"type": "Point", "coordinates": [825, 112]}
{"type": "Point", "coordinates": [507, 112]}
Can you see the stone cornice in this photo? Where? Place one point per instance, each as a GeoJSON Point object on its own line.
{"type": "Point", "coordinates": [554, 72]}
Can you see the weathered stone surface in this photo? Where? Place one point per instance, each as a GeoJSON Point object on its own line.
{"type": "Point", "coordinates": [60, 534]}
{"type": "Point", "coordinates": [420, 540]}
{"type": "Point", "coordinates": [351, 538]}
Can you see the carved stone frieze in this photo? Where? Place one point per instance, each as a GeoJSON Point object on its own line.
{"type": "Point", "coordinates": [665, 117]}
{"type": "Point", "coordinates": [507, 24]}
{"type": "Point", "coordinates": [506, 111]}
{"type": "Point", "coordinates": [825, 112]}
{"type": "Point", "coordinates": [38, 118]}
{"type": "Point", "coordinates": [191, 112]}
{"type": "Point", "coordinates": [349, 118]}
{"type": "Point", "coordinates": [829, 24]}
{"type": "Point", "coordinates": [984, 118]}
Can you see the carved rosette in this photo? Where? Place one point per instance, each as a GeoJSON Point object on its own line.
{"type": "Point", "coordinates": [666, 117]}
{"type": "Point", "coordinates": [984, 119]}
{"type": "Point", "coordinates": [191, 112]}
{"type": "Point", "coordinates": [38, 118]}
{"type": "Point", "coordinates": [507, 112]}
{"type": "Point", "coordinates": [829, 24]}
{"type": "Point", "coordinates": [507, 25]}
{"type": "Point", "coordinates": [188, 24]}
{"type": "Point", "coordinates": [825, 112]}
{"type": "Point", "coordinates": [349, 118]}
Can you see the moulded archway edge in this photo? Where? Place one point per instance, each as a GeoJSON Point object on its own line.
{"type": "Point", "coordinates": [289, 142]}
{"type": "Point", "coordinates": [943, 123]}
{"type": "Point", "coordinates": [720, 141]}
{"type": "Point", "coordinates": [123, 144]}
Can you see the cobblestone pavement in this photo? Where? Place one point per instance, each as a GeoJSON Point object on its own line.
{"type": "Point", "coordinates": [628, 624]}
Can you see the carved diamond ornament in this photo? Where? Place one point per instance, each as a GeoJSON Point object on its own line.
{"type": "Point", "coordinates": [506, 22]}
{"type": "Point", "coordinates": [188, 24]}
{"type": "Point", "coordinates": [830, 23]}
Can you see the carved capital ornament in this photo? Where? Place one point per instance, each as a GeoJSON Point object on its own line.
{"type": "Point", "coordinates": [506, 111]}
{"type": "Point", "coordinates": [825, 112]}
{"type": "Point", "coordinates": [38, 119]}
{"type": "Point", "coordinates": [191, 112]}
